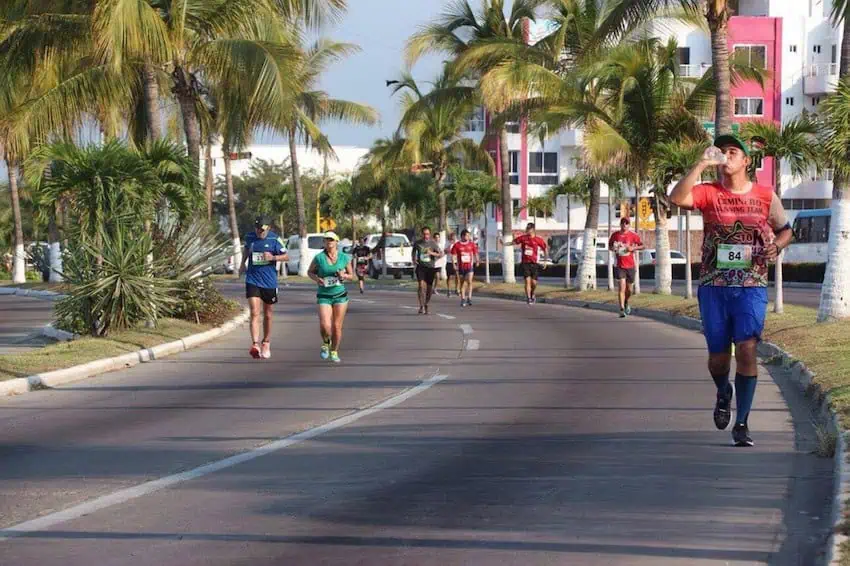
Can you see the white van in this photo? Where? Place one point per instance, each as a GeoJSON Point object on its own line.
{"type": "Point", "coordinates": [399, 255]}
{"type": "Point", "coordinates": [315, 244]}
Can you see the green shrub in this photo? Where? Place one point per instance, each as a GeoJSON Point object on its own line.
{"type": "Point", "coordinates": [200, 302]}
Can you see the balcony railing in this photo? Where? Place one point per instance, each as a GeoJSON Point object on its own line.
{"type": "Point", "coordinates": [822, 70]}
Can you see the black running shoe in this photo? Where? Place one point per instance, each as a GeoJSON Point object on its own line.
{"type": "Point", "coordinates": [741, 435]}
{"type": "Point", "coordinates": [722, 408]}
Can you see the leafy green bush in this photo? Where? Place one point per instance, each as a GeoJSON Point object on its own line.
{"type": "Point", "coordinates": [114, 286]}
{"type": "Point", "coordinates": [200, 302]}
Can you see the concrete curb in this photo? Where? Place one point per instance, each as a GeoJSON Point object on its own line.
{"type": "Point", "coordinates": [32, 293]}
{"type": "Point", "coordinates": [801, 376]}
{"type": "Point", "coordinates": [96, 367]}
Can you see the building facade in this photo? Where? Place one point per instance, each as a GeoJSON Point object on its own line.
{"type": "Point", "coordinates": [793, 40]}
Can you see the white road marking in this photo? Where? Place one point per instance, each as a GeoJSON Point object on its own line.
{"type": "Point", "coordinates": [466, 328]}
{"type": "Point", "coordinates": [473, 344]}
{"type": "Point", "coordinates": [364, 301]}
{"type": "Point", "coordinates": [124, 495]}
{"type": "Point", "coordinates": [446, 316]}
{"type": "Point", "coordinates": [407, 307]}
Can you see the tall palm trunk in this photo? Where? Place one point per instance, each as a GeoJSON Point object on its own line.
{"type": "Point", "coordinates": [231, 208]}
{"type": "Point", "coordinates": [779, 301]}
{"type": "Point", "coordinates": [835, 292]}
{"type": "Point", "coordinates": [636, 255]}
{"type": "Point", "coordinates": [663, 268]}
{"type": "Point", "coordinates": [567, 274]}
{"type": "Point", "coordinates": [508, 275]}
{"type": "Point", "coordinates": [208, 178]}
{"type": "Point", "coordinates": [718, 23]}
{"type": "Point", "coordinates": [151, 94]}
{"type": "Point", "coordinates": [689, 284]}
{"type": "Point", "coordinates": [185, 92]}
{"type": "Point", "coordinates": [383, 239]}
{"type": "Point", "coordinates": [486, 247]}
{"type": "Point", "coordinates": [299, 204]}
{"type": "Point", "coordinates": [18, 265]}
{"type": "Point", "coordinates": [586, 276]}
{"type": "Point", "coordinates": [610, 255]}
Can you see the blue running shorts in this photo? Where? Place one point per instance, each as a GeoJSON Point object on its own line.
{"type": "Point", "coordinates": [731, 315]}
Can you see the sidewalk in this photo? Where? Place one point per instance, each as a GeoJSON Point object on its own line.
{"type": "Point", "coordinates": [22, 320]}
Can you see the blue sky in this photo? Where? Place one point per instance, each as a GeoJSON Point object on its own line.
{"type": "Point", "coordinates": [380, 28]}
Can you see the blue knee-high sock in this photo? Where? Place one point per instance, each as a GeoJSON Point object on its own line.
{"type": "Point", "coordinates": [721, 381]}
{"type": "Point", "coordinates": [745, 392]}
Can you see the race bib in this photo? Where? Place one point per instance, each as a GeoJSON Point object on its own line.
{"type": "Point", "coordinates": [331, 281]}
{"type": "Point", "coordinates": [529, 252]}
{"type": "Point", "coordinates": [424, 257]}
{"type": "Point", "coordinates": [731, 256]}
{"type": "Point", "coordinates": [258, 258]}
{"type": "Point", "coordinates": [466, 258]}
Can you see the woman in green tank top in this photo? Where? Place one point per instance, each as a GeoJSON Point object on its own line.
{"type": "Point", "coordinates": [330, 269]}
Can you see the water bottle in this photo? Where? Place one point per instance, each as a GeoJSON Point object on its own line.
{"type": "Point", "coordinates": [714, 155]}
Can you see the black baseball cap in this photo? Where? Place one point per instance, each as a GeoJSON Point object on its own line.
{"type": "Point", "coordinates": [262, 222]}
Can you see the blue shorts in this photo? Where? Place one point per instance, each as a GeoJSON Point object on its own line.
{"type": "Point", "coordinates": [731, 315]}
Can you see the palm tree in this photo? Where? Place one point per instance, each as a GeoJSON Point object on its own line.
{"type": "Point", "coordinates": [300, 114]}
{"type": "Point", "coordinates": [432, 125]}
{"type": "Point", "coordinates": [539, 207]}
{"type": "Point", "coordinates": [835, 292]}
{"type": "Point", "coordinates": [580, 187]}
{"type": "Point", "coordinates": [796, 144]}
{"type": "Point", "coordinates": [630, 13]}
{"type": "Point", "coordinates": [459, 28]}
{"type": "Point", "coordinates": [475, 190]}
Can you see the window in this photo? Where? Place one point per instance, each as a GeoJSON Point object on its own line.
{"type": "Point", "coordinates": [512, 127]}
{"type": "Point", "coordinates": [475, 121]}
{"type": "Point", "coordinates": [543, 168]}
{"type": "Point", "coordinates": [684, 54]}
{"type": "Point", "coordinates": [316, 242]}
{"type": "Point", "coordinates": [513, 159]}
{"type": "Point", "coordinates": [820, 229]}
{"type": "Point", "coordinates": [806, 203]}
{"type": "Point", "coordinates": [517, 205]}
{"type": "Point", "coordinates": [834, 55]}
{"type": "Point", "coordinates": [749, 107]}
{"type": "Point", "coordinates": [815, 100]}
{"type": "Point", "coordinates": [816, 49]}
{"type": "Point", "coordinates": [753, 55]}
{"type": "Point", "coordinates": [789, 101]}
{"type": "Point", "coordinates": [792, 48]}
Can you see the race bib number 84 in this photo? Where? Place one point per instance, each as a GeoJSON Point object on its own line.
{"type": "Point", "coordinates": [731, 256]}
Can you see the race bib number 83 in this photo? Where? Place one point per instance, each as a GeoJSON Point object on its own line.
{"type": "Point", "coordinates": [731, 256]}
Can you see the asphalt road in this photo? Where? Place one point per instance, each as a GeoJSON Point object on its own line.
{"type": "Point", "coordinates": [803, 296]}
{"type": "Point", "coordinates": [505, 435]}
{"type": "Point", "coordinates": [20, 319]}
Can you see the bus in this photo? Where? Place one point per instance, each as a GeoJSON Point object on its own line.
{"type": "Point", "coordinates": [811, 237]}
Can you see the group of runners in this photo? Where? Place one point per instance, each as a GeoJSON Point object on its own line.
{"type": "Point", "coordinates": [745, 229]}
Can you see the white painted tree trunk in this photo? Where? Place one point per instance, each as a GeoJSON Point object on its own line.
{"type": "Point", "coordinates": [779, 300]}
{"type": "Point", "coordinates": [663, 269]}
{"type": "Point", "coordinates": [610, 255]}
{"type": "Point", "coordinates": [835, 293]}
{"type": "Point", "coordinates": [237, 252]}
{"type": "Point", "coordinates": [508, 263]}
{"type": "Point", "coordinates": [486, 247]}
{"type": "Point", "coordinates": [586, 276]}
{"type": "Point", "coordinates": [303, 264]}
{"type": "Point", "coordinates": [19, 274]}
{"type": "Point", "coordinates": [567, 278]}
{"type": "Point", "coordinates": [55, 262]}
{"type": "Point", "coordinates": [689, 284]}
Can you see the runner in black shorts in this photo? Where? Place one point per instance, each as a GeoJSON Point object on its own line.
{"type": "Point", "coordinates": [532, 249]}
{"type": "Point", "coordinates": [361, 255]}
{"type": "Point", "coordinates": [263, 249]}
{"type": "Point", "coordinates": [425, 252]}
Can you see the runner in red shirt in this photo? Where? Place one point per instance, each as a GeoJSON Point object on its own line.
{"type": "Point", "coordinates": [465, 254]}
{"type": "Point", "coordinates": [624, 243]}
{"type": "Point", "coordinates": [533, 249]}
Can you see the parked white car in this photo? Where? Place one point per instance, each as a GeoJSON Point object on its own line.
{"type": "Point", "coordinates": [315, 244]}
{"type": "Point", "coordinates": [399, 255]}
{"type": "Point", "coordinates": [647, 257]}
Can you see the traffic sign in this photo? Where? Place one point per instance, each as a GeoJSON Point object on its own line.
{"type": "Point", "coordinates": [327, 224]}
{"type": "Point", "coordinates": [644, 209]}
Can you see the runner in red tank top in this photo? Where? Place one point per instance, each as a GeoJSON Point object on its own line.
{"type": "Point", "coordinates": [533, 248]}
{"type": "Point", "coordinates": [465, 255]}
{"type": "Point", "coordinates": [624, 244]}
